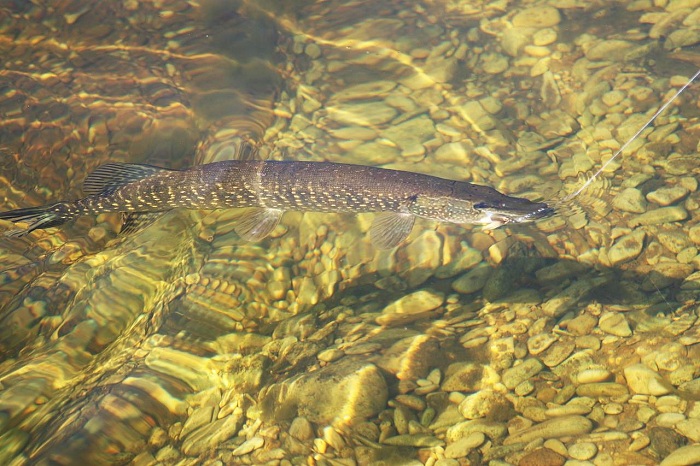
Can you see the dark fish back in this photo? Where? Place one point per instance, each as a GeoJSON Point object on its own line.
{"type": "Point", "coordinates": [334, 187]}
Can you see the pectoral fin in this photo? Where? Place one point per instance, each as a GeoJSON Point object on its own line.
{"type": "Point", "coordinates": [256, 224]}
{"type": "Point", "coordinates": [389, 229]}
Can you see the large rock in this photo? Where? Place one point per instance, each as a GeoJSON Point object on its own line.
{"type": "Point", "coordinates": [340, 392]}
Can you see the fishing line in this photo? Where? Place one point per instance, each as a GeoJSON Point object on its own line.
{"type": "Point", "coordinates": [557, 204]}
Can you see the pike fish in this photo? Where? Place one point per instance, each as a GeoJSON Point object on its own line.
{"type": "Point", "coordinates": [273, 187]}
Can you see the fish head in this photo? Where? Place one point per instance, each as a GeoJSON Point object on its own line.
{"type": "Point", "coordinates": [485, 206]}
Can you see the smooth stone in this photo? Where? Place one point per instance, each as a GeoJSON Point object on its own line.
{"type": "Point", "coordinates": [664, 441]}
{"type": "Point", "coordinates": [209, 435]}
{"type": "Point", "coordinates": [659, 216]}
{"type": "Point", "coordinates": [416, 303]}
{"type": "Point", "coordinates": [582, 325]}
{"type": "Point", "coordinates": [414, 440]}
{"type": "Point", "coordinates": [473, 280]}
{"type": "Point", "coordinates": [684, 456]}
{"type": "Point", "coordinates": [345, 390]}
{"type": "Point", "coordinates": [536, 344]}
{"type": "Point", "coordinates": [466, 258]}
{"type": "Point", "coordinates": [537, 17]}
{"type": "Point", "coordinates": [627, 247]}
{"type": "Point", "coordinates": [410, 358]}
{"type": "Point", "coordinates": [410, 133]}
{"type": "Point", "coordinates": [644, 381]}
{"type": "Point", "coordinates": [513, 41]}
{"type": "Point", "coordinates": [494, 63]}
{"type": "Point", "coordinates": [592, 376]}
{"type": "Point", "coordinates": [468, 377]}
{"type": "Point", "coordinates": [361, 113]}
{"type": "Point", "coordinates": [599, 389]}
{"type": "Point", "coordinates": [690, 428]}
{"type": "Point", "coordinates": [615, 323]}
{"type": "Point", "coordinates": [493, 430]}
{"type": "Point", "coordinates": [542, 457]}
{"type": "Point", "coordinates": [484, 403]}
{"type": "Point", "coordinates": [682, 38]}
{"type": "Point", "coordinates": [669, 419]}
{"type": "Point", "coordinates": [668, 195]}
{"type": "Point", "coordinates": [353, 133]}
{"type": "Point", "coordinates": [463, 446]}
{"type": "Point", "coordinates": [301, 429]}
{"type": "Point", "coordinates": [566, 426]}
{"type": "Point", "coordinates": [558, 353]}
{"type": "Point", "coordinates": [665, 274]}
{"type": "Point", "coordinates": [608, 50]}
{"type": "Point", "coordinates": [630, 200]}
{"type": "Point", "coordinates": [675, 241]}
{"type": "Point", "coordinates": [457, 152]}
{"type": "Point", "coordinates": [248, 446]}
{"type": "Point", "coordinates": [545, 36]}
{"type": "Point", "coordinates": [364, 91]}
{"type": "Point", "coordinates": [583, 451]}
{"type": "Point", "coordinates": [522, 372]}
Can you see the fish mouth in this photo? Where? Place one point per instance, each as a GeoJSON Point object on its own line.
{"type": "Point", "coordinates": [495, 217]}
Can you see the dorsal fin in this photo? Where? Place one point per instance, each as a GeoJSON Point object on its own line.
{"type": "Point", "coordinates": [110, 176]}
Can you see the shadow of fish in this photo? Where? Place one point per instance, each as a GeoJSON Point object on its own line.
{"type": "Point", "coordinates": [273, 187]}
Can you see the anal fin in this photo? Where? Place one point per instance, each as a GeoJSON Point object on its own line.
{"type": "Point", "coordinates": [257, 223]}
{"type": "Point", "coordinates": [389, 229]}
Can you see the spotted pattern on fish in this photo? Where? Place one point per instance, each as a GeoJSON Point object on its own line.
{"type": "Point", "coordinates": [274, 187]}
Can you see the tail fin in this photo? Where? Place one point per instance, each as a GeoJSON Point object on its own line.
{"type": "Point", "coordinates": [35, 217]}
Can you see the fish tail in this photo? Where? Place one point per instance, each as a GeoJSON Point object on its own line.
{"type": "Point", "coordinates": [36, 217]}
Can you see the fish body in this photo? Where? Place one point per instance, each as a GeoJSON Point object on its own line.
{"type": "Point", "coordinates": [273, 187]}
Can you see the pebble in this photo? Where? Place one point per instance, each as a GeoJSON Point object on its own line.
{"type": "Point", "coordinates": [609, 50]}
{"type": "Point", "coordinates": [542, 457]}
{"type": "Point", "coordinates": [493, 430]}
{"type": "Point", "coordinates": [248, 446]}
{"type": "Point", "coordinates": [544, 36]}
{"type": "Point", "coordinates": [689, 428]}
{"type": "Point", "coordinates": [659, 216]}
{"type": "Point", "coordinates": [536, 344]}
{"type": "Point", "coordinates": [468, 377]}
{"type": "Point", "coordinates": [684, 456]}
{"type": "Point", "coordinates": [600, 389]}
{"type": "Point", "coordinates": [675, 241]}
{"type": "Point", "coordinates": [592, 376]}
{"type": "Point", "coordinates": [627, 248]}
{"type": "Point", "coordinates": [630, 200]}
{"type": "Point", "coordinates": [537, 17]}
{"type": "Point", "coordinates": [559, 427]}
{"type": "Point", "coordinates": [361, 113]}
{"type": "Point", "coordinates": [644, 381]}
{"type": "Point", "coordinates": [558, 353]}
{"type": "Point", "coordinates": [414, 440]}
{"type": "Point", "coordinates": [301, 429]}
{"type": "Point", "coordinates": [411, 307]}
{"type": "Point", "coordinates": [483, 403]}
{"type": "Point", "coordinates": [582, 325]}
{"type": "Point", "coordinates": [463, 446]}
{"type": "Point", "coordinates": [615, 323]}
{"type": "Point", "coordinates": [346, 389]}
{"type": "Point", "coordinates": [668, 195]}
{"type": "Point", "coordinates": [682, 38]}
{"type": "Point", "coordinates": [522, 372]}
{"type": "Point", "coordinates": [473, 280]}
{"type": "Point", "coordinates": [583, 451]}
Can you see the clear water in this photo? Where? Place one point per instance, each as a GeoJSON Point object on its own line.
{"type": "Point", "coordinates": [183, 344]}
